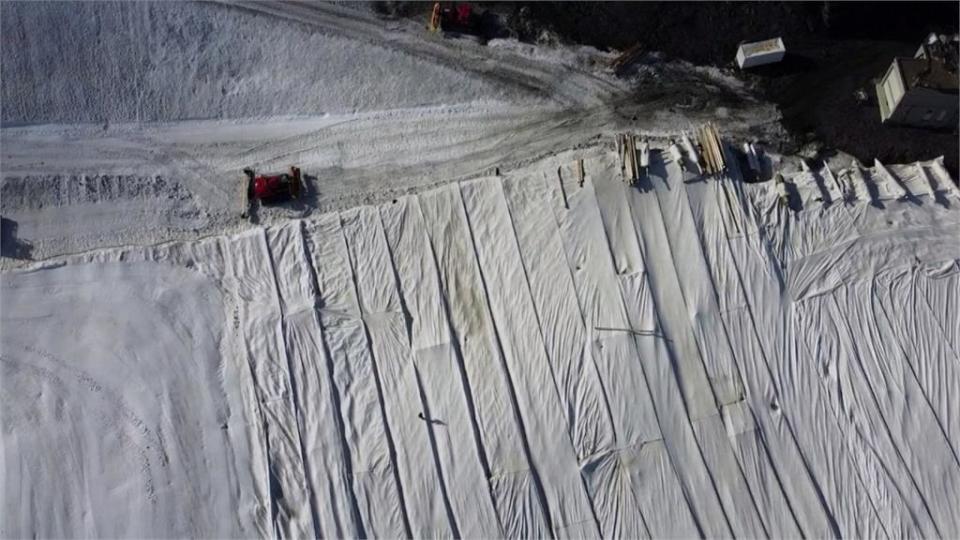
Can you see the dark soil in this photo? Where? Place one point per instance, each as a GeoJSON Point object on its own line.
{"type": "Point", "coordinates": [833, 49]}
{"type": "Point", "coordinates": [815, 88]}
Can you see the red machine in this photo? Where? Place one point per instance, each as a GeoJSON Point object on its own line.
{"type": "Point", "coordinates": [461, 16]}
{"type": "Point", "coordinates": [454, 19]}
{"type": "Point", "coordinates": [273, 188]}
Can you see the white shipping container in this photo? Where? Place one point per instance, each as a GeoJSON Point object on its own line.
{"type": "Point", "coordinates": [760, 52]}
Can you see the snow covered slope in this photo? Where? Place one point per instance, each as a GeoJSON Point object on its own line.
{"type": "Point", "coordinates": [506, 356]}
{"type": "Point", "coordinates": [116, 408]}
{"type": "Point", "coordinates": [130, 123]}
{"type": "Point", "coordinates": [147, 61]}
{"type": "Point", "coordinates": [419, 347]}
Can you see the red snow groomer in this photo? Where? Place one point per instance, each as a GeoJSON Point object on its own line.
{"type": "Point", "coordinates": [270, 189]}
{"type": "Point", "coordinates": [450, 18]}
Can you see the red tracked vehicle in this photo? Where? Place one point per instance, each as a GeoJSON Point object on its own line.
{"type": "Point", "coordinates": [272, 189]}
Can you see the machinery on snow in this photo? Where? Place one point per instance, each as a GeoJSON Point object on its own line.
{"type": "Point", "coordinates": [273, 188]}
{"type": "Point", "coordinates": [462, 19]}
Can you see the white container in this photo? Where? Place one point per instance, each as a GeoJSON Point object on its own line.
{"type": "Point", "coordinates": [759, 53]}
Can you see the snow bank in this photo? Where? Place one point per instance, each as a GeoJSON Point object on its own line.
{"type": "Point", "coordinates": [148, 61]}
{"type": "Point", "coordinates": [507, 356]}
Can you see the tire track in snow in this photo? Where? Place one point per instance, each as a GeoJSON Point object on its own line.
{"type": "Point", "coordinates": [508, 68]}
{"type": "Point", "coordinates": [110, 401]}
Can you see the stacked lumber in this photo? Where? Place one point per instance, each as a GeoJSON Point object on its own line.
{"type": "Point", "coordinates": [627, 150]}
{"type": "Point", "coordinates": [712, 149]}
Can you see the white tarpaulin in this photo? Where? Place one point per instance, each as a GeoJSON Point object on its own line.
{"type": "Point", "coordinates": [509, 356]}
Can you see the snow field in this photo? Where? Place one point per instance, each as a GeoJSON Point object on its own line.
{"type": "Point", "coordinates": [505, 356]}
{"type": "Point", "coordinates": [159, 61]}
{"type": "Point", "coordinates": [464, 356]}
{"type": "Point", "coordinates": [114, 408]}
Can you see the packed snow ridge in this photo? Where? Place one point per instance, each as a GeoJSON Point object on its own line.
{"type": "Point", "coordinates": [423, 348]}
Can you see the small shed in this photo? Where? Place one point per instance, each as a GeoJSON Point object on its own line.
{"type": "Point", "coordinates": [759, 53]}
{"type": "Point", "coordinates": [920, 91]}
